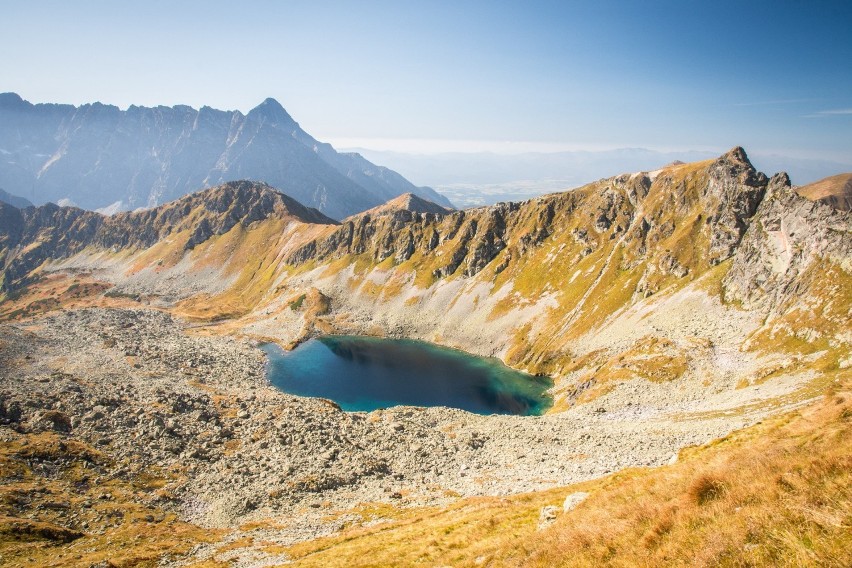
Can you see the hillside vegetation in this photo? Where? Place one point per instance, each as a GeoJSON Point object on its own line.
{"type": "Point", "coordinates": [775, 494]}
{"type": "Point", "coordinates": [701, 310]}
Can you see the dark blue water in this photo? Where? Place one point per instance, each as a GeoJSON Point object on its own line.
{"type": "Point", "coordinates": [366, 373]}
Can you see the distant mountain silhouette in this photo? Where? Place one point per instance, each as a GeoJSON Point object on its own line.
{"type": "Point", "coordinates": [13, 200]}
{"type": "Point", "coordinates": [99, 156]}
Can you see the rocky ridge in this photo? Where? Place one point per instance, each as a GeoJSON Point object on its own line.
{"type": "Point", "coordinates": [31, 236]}
{"type": "Point", "coordinates": [729, 197]}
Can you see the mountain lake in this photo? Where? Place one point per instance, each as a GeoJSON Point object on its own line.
{"type": "Point", "coordinates": [366, 373]}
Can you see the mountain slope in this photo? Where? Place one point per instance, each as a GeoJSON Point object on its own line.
{"type": "Point", "coordinates": [835, 191]}
{"type": "Point", "coordinates": [406, 202]}
{"type": "Point", "coordinates": [49, 232]}
{"type": "Point", "coordinates": [13, 200]}
{"type": "Point", "coordinates": [563, 284]}
{"type": "Point", "coordinates": [529, 279]}
{"type": "Point", "coordinates": [669, 307]}
{"type": "Point", "coordinates": [97, 155]}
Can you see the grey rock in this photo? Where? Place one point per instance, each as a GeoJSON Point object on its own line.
{"type": "Point", "coordinates": [574, 499]}
{"type": "Point", "coordinates": [547, 516]}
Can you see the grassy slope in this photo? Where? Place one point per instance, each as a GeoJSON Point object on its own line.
{"type": "Point", "coordinates": [75, 512]}
{"type": "Point", "coordinates": [776, 494]}
{"type": "Point", "coordinates": [591, 274]}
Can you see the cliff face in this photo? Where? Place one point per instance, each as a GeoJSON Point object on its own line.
{"type": "Point", "coordinates": [795, 264]}
{"type": "Point", "coordinates": [792, 233]}
{"type": "Point", "coordinates": [687, 218]}
{"type": "Point", "coordinates": [100, 156]}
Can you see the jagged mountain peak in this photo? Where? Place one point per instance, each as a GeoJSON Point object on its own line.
{"type": "Point", "coordinates": [250, 200]}
{"type": "Point", "coordinates": [270, 102]}
{"type": "Point", "coordinates": [58, 232]}
{"type": "Point", "coordinates": [737, 154]}
{"type": "Point", "coordinates": [735, 164]}
{"type": "Point", "coordinates": [97, 156]}
{"type": "Point", "coordinates": [270, 109]}
{"type": "Point", "coordinates": [407, 202]}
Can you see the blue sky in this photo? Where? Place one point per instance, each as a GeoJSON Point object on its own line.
{"type": "Point", "coordinates": [773, 76]}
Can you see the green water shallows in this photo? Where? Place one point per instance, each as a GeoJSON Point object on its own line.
{"type": "Point", "coordinates": [366, 373]}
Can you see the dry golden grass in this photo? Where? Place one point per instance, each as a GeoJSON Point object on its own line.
{"type": "Point", "coordinates": [56, 292]}
{"type": "Point", "coordinates": [837, 190]}
{"type": "Point", "coordinates": [432, 537]}
{"type": "Point", "coordinates": [78, 515]}
{"type": "Point", "coordinates": [650, 358]}
{"type": "Point", "coordinates": [776, 494]}
{"type": "Point", "coordinates": [779, 494]}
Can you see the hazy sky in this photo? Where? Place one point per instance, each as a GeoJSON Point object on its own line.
{"type": "Point", "coordinates": [773, 76]}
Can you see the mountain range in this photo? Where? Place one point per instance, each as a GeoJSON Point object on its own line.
{"type": "Point", "coordinates": [695, 320]}
{"type": "Point", "coordinates": [595, 251]}
{"type": "Point", "coordinates": [484, 178]}
{"type": "Point", "coordinates": [97, 156]}
{"type": "Point", "coordinates": [14, 200]}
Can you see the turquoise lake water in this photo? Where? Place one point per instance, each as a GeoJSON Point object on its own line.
{"type": "Point", "coordinates": [366, 373]}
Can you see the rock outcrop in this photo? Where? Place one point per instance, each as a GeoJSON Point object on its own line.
{"type": "Point", "coordinates": [737, 189]}
{"type": "Point", "coordinates": [791, 235]}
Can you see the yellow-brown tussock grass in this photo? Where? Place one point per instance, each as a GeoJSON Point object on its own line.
{"type": "Point", "coordinates": [775, 494]}
{"type": "Point", "coordinates": [778, 494]}
{"type": "Point", "coordinates": [42, 515]}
